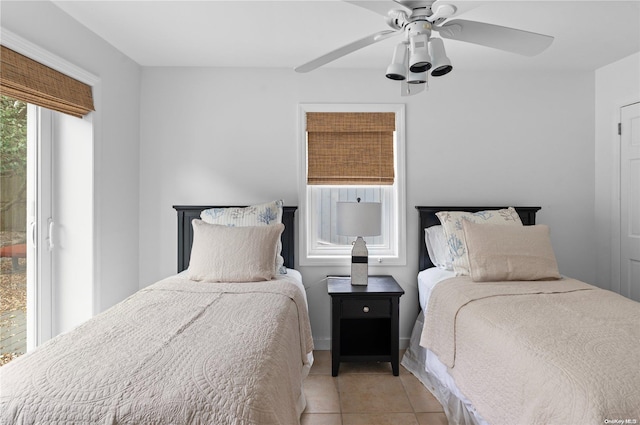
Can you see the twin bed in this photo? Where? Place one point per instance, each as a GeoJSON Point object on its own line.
{"type": "Point", "coordinates": [178, 351]}
{"type": "Point", "coordinates": [184, 351]}
{"type": "Point", "coordinates": [553, 351]}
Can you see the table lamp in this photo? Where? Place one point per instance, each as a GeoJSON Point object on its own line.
{"type": "Point", "coordinates": [359, 219]}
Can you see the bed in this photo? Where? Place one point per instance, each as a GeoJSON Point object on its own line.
{"type": "Point", "coordinates": [181, 351]}
{"type": "Point", "coordinates": [516, 351]}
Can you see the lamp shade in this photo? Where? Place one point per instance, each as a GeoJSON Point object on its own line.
{"type": "Point", "coordinates": [359, 218]}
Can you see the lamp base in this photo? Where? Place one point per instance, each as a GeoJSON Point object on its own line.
{"type": "Point", "coordinates": [359, 263]}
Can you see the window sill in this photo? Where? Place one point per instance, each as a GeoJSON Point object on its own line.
{"type": "Point", "coordinates": [346, 261]}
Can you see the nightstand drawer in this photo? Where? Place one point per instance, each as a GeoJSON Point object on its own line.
{"type": "Point", "coordinates": [366, 308]}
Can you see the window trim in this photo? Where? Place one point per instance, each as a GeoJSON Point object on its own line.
{"type": "Point", "coordinates": [304, 218]}
{"type": "Point", "coordinates": [39, 54]}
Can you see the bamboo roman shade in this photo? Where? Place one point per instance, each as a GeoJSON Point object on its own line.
{"type": "Point", "coordinates": [30, 81]}
{"type": "Point", "coordinates": [350, 148]}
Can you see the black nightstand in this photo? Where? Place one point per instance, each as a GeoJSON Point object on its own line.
{"type": "Point", "coordinates": [364, 321]}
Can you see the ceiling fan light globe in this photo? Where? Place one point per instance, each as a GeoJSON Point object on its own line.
{"type": "Point", "coordinates": [396, 72]}
{"type": "Point", "coordinates": [419, 58]}
{"type": "Point", "coordinates": [420, 66]}
{"type": "Point", "coordinates": [397, 69]}
{"type": "Point", "coordinates": [441, 63]}
{"type": "Point", "coordinates": [417, 78]}
{"type": "Point", "coordinates": [441, 70]}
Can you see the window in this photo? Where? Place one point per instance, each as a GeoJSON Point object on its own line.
{"type": "Point", "coordinates": [376, 180]}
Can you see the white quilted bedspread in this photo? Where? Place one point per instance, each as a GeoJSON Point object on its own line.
{"type": "Point", "coordinates": [176, 352]}
{"type": "Point", "coordinates": [560, 352]}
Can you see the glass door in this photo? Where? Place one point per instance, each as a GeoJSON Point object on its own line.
{"type": "Point", "coordinates": [13, 229]}
{"type": "Point", "coordinates": [25, 217]}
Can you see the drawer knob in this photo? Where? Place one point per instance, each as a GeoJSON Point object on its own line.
{"type": "Point", "coordinates": [365, 309]}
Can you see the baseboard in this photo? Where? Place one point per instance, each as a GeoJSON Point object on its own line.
{"type": "Point", "coordinates": [322, 344]}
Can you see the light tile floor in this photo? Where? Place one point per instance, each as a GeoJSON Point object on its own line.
{"type": "Point", "coordinates": [367, 394]}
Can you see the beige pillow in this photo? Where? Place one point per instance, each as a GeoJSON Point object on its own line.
{"type": "Point", "coordinates": [498, 253]}
{"type": "Point", "coordinates": [253, 215]}
{"type": "Point", "coordinates": [452, 223]}
{"type": "Point", "coordinates": [233, 254]}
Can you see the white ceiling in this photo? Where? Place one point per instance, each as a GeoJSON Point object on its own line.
{"type": "Point", "coordinates": [588, 34]}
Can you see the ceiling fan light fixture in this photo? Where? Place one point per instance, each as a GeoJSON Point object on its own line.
{"type": "Point", "coordinates": [441, 63]}
{"type": "Point", "coordinates": [397, 69]}
{"type": "Point", "coordinates": [395, 72]}
{"type": "Point", "coordinates": [419, 59]}
{"type": "Point", "coordinates": [417, 77]}
{"type": "Point", "coordinates": [441, 70]}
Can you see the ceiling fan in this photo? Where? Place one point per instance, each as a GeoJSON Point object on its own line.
{"type": "Point", "coordinates": [419, 52]}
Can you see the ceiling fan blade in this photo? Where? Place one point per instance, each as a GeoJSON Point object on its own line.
{"type": "Point", "coordinates": [407, 89]}
{"type": "Point", "coordinates": [381, 7]}
{"type": "Point", "coordinates": [503, 38]}
{"type": "Point", "coordinates": [345, 50]}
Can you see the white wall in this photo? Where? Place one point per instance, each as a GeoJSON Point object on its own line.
{"type": "Point", "coordinates": [212, 136]}
{"type": "Point", "coordinates": [116, 134]}
{"type": "Point", "coordinates": [228, 136]}
{"type": "Point", "coordinates": [616, 85]}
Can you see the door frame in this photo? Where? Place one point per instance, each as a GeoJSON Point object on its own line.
{"type": "Point", "coordinates": [39, 214]}
{"type": "Point", "coordinates": [616, 221]}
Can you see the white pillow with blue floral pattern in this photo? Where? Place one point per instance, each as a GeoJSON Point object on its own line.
{"type": "Point", "coordinates": [253, 215]}
{"type": "Point", "coordinates": [438, 248]}
{"type": "Point", "coordinates": [452, 223]}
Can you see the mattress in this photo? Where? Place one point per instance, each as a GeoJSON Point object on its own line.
{"type": "Point", "coordinates": [426, 365]}
{"type": "Point", "coordinates": [427, 280]}
{"type": "Point", "coordinates": [175, 352]}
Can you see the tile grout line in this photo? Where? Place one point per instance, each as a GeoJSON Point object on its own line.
{"type": "Point", "coordinates": [416, 406]}
{"type": "Point", "coordinates": [406, 393]}
{"type": "Point", "coordinates": [339, 398]}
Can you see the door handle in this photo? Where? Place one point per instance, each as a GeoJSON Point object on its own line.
{"type": "Point", "coordinates": [32, 230]}
{"type": "Point", "coordinates": [50, 236]}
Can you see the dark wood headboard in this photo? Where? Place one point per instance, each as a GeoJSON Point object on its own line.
{"type": "Point", "coordinates": [428, 218]}
{"type": "Point", "coordinates": [186, 213]}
